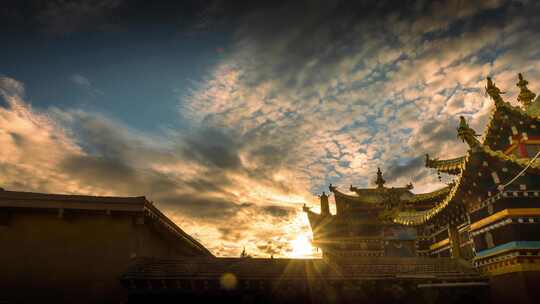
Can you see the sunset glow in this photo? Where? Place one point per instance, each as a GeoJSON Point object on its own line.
{"type": "Point", "coordinates": [301, 247]}
{"type": "Point", "coordinates": [230, 123]}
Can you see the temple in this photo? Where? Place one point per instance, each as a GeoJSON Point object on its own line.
{"type": "Point", "coordinates": [475, 240]}
{"type": "Point", "coordinates": [488, 217]}
{"type": "Point", "coordinates": [363, 226]}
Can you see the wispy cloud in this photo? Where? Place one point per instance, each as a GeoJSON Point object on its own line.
{"type": "Point", "coordinates": [308, 95]}
{"type": "Point", "coordinates": [85, 84]}
{"type": "Point", "coordinates": [353, 90]}
{"type": "Point", "coordinates": [198, 179]}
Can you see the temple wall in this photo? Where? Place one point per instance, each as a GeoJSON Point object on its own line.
{"type": "Point", "coordinates": [78, 257]}
{"type": "Point", "coordinates": [524, 287]}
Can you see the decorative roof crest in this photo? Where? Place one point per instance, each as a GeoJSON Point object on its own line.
{"type": "Point", "coordinates": [525, 96]}
{"type": "Point", "coordinates": [466, 133]}
{"type": "Point", "coordinates": [493, 91]}
{"type": "Point", "coordinates": [380, 180]}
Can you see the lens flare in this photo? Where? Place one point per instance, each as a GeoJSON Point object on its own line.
{"type": "Point", "coordinates": [301, 247]}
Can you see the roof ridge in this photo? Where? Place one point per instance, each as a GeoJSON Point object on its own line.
{"type": "Point", "coordinates": [24, 194]}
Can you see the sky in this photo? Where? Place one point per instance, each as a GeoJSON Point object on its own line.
{"type": "Point", "coordinates": [230, 115]}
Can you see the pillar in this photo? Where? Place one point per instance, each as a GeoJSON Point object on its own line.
{"type": "Point", "coordinates": [453, 237]}
{"type": "Point", "coordinates": [325, 207]}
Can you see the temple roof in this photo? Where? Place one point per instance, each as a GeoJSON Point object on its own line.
{"type": "Point", "coordinates": [379, 195]}
{"type": "Point", "coordinates": [450, 166]}
{"type": "Point", "coordinates": [507, 125]}
{"type": "Point", "coordinates": [17, 200]}
{"type": "Point", "coordinates": [486, 169]}
{"type": "Point", "coordinates": [422, 197]}
{"type": "Point", "coordinates": [283, 270]}
{"type": "Point", "coordinates": [481, 159]}
{"type": "Point", "coordinates": [507, 120]}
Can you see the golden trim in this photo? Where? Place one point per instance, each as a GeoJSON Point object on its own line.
{"type": "Point", "coordinates": [511, 148]}
{"type": "Point", "coordinates": [511, 268]}
{"type": "Point", "coordinates": [504, 213]}
{"type": "Point", "coordinates": [514, 146]}
{"type": "Point", "coordinates": [439, 244]}
{"type": "Point", "coordinates": [490, 219]}
{"type": "Point", "coordinates": [494, 253]}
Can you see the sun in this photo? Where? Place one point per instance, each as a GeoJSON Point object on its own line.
{"type": "Point", "coordinates": [301, 247]}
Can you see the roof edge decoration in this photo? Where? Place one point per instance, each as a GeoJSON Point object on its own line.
{"type": "Point", "coordinates": [450, 166]}
{"type": "Point", "coordinates": [414, 218]}
{"type": "Point", "coordinates": [414, 198]}
{"type": "Point", "coordinates": [531, 110]}
{"type": "Point", "coordinates": [420, 217]}
{"type": "Point", "coordinates": [468, 135]}
{"type": "Point", "coordinates": [421, 197]}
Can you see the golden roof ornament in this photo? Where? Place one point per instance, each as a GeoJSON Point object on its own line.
{"type": "Point", "coordinates": [534, 107]}
{"type": "Point", "coordinates": [466, 133]}
{"type": "Point", "coordinates": [244, 254]}
{"type": "Point", "coordinates": [525, 96]}
{"type": "Point", "coordinates": [380, 180]}
{"type": "Point", "coordinates": [493, 91]}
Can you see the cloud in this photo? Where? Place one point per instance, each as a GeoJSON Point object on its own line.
{"type": "Point", "coordinates": [10, 88]}
{"type": "Point", "coordinates": [310, 93]}
{"type": "Point", "coordinates": [356, 86]}
{"type": "Point", "coordinates": [85, 84]}
{"type": "Point", "coordinates": [81, 80]}
{"type": "Point", "coordinates": [198, 178]}
{"type": "Point", "coordinates": [212, 148]}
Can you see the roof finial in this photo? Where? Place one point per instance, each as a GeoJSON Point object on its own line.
{"type": "Point", "coordinates": [525, 95]}
{"type": "Point", "coordinates": [244, 254]}
{"type": "Point", "coordinates": [331, 188]}
{"type": "Point", "coordinates": [380, 180]}
{"type": "Point", "coordinates": [466, 133]}
{"type": "Point", "coordinates": [493, 91]}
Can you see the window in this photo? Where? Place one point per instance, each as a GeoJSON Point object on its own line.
{"type": "Point", "coordinates": [489, 240]}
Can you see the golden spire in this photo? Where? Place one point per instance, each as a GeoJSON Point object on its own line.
{"type": "Point", "coordinates": [380, 180]}
{"type": "Point", "coordinates": [525, 95]}
{"type": "Point", "coordinates": [466, 133]}
{"type": "Point", "coordinates": [493, 91]}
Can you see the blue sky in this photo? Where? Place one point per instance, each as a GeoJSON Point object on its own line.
{"type": "Point", "coordinates": [231, 116]}
{"type": "Point", "coordinates": [136, 76]}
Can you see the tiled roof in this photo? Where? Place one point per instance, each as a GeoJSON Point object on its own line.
{"type": "Point", "coordinates": [17, 199]}
{"type": "Point", "coordinates": [286, 269]}
{"type": "Point", "coordinates": [450, 166]}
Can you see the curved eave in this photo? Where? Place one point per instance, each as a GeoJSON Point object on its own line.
{"type": "Point", "coordinates": [450, 166]}
{"type": "Point", "coordinates": [371, 199]}
{"type": "Point", "coordinates": [414, 218]}
{"type": "Point", "coordinates": [430, 196]}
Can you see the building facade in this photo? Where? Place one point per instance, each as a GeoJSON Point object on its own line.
{"type": "Point", "coordinates": [487, 217]}
{"type": "Point", "coordinates": [475, 240]}
{"type": "Point", "coordinates": [73, 249]}
{"type": "Point", "coordinates": [363, 226]}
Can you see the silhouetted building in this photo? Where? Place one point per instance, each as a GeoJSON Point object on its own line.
{"type": "Point", "coordinates": [489, 216]}
{"type": "Point", "coordinates": [362, 227]}
{"type": "Point", "coordinates": [73, 248]}
{"type": "Point", "coordinates": [254, 280]}
{"type": "Point", "coordinates": [383, 245]}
